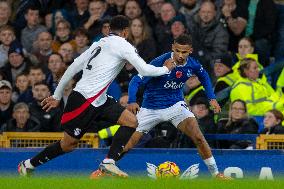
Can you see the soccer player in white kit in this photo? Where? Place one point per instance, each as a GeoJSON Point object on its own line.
{"type": "Point", "coordinates": [88, 101]}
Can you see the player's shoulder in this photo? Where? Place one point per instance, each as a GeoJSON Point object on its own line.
{"type": "Point", "coordinates": [193, 62]}
{"type": "Point", "coordinates": [162, 58]}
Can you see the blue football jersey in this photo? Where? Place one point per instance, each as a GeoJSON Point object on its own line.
{"type": "Point", "coordinates": [166, 90]}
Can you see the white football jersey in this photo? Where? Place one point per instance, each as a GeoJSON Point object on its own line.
{"type": "Point", "coordinates": [101, 63]}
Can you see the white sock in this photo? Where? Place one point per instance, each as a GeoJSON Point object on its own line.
{"type": "Point", "coordinates": [107, 160]}
{"type": "Point", "coordinates": [28, 164]}
{"type": "Point", "coordinates": [212, 166]}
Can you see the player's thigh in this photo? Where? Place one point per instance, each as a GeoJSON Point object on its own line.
{"type": "Point", "coordinates": [114, 113]}
{"type": "Point", "coordinates": [190, 127]}
{"type": "Point", "coordinates": [147, 119]}
{"type": "Point", "coordinates": [178, 113]}
{"type": "Point", "coordinates": [77, 116]}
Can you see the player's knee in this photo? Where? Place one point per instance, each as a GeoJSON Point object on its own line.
{"type": "Point", "coordinates": [68, 146]}
{"type": "Point", "coordinates": [133, 122]}
{"type": "Point", "coordinates": [199, 140]}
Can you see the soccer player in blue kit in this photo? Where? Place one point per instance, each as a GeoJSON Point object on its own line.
{"type": "Point", "coordinates": [163, 100]}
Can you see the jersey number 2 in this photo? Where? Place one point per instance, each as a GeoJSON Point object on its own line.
{"type": "Point", "coordinates": [98, 50]}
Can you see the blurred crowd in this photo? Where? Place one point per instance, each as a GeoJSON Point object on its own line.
{"type": "Point", "coordinates": [239, 42]}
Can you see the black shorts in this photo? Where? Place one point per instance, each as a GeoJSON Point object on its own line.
{"type": "Point", "coordinates": [79, 114]}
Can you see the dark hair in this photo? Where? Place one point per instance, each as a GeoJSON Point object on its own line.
{"type": "Point", "coordinates": [242, 102]}
{"type": "Point", "coordinates": [119, 23]}
{"type": "Point", "coordinates": [249, 40]}
{"type": "Point", "coordinates": [184, 39]}
{"type": "Point", "coordinates": [36, 67]}
{"type": "Point", "coordinates": [244, 64]}
{"type": "Point", "coordinates": [278, 115]}
{"type": "Point", "coordinates": [61, 57]}
{"type": "Point", "coordinates": [33, 8]}
{"type": "Point", "coordinates": [81, 31]}
{"type": "Point", "coordinates": [42, 83]}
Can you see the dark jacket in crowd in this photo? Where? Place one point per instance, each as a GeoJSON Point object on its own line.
{"type": "Point", "coordinates": [32, 125]}
{"type": "Point", "coordinates": [278, 129]}
{"type": "Point", "coordinates": [49, 121]}
{"type": "Point", "coordinates": [244, 126]}
{"type": "Point", "coordinates": [209, 41]}
{"type": "Point", "coordinates": [265, 20]}
{"type": "Point", "coordinates": [6, 115]}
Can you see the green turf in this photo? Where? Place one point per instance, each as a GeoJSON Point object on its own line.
{"type": "Point", "coordinates": [133, 183]}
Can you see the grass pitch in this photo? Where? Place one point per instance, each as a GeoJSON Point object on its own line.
{"type": "Point", "coordinates": [80, 182]}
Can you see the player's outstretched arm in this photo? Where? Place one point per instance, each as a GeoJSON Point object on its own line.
{"type": "Point", "coordinates": [148, 69]}
{"type": "Point", "coordinates": [132, 91]}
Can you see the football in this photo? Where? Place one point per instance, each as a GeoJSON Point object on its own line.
{"type": "Point", "coordinates": [167, 169]}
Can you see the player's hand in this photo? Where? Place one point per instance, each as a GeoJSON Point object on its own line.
{"type": "Point", "coordinates": [170, 64]}
{"type": "Point", "coordinates": [133, 107]}
{"type": "Point", "coordinates": [49, 103]}
{"type": "Point", "coordinates": [215, 105]}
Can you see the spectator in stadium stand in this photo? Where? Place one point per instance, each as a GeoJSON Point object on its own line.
{"type": "Point", "coordinates": [67, 51]}
{"type": "Point", "coordinates": [32, 29]}
{"type": "Point", "coordinates": [5, 13]}
{"type": "Point", "coordinates": [238, 122]}
{"type": "Point", "coordinates": [42, 49]}
{"type": "Point", "coordinates": [21, 87]}
{"type": "Point", "coordinates": [21, 121]}
{"type": "Point", "coordinates": [246, 50]}
{"type": "Point", "coordinates": [279, 47]}
{"type": "Point", "coordinates": [36, 75]}
{"type": "Point", "coordinates": [62, 35]}
{"type": "Point", "coordinates": [189, 8]}
{"type": "Point", "coordinates": [193, 90]}
{"type": "Point", "coordinates": [261, 27]}
{"type": "Point", "coordinates": [257, 93]}
{"type": "Point", "coordinates": [280, 84]}
{"type": "Point", "coordinates": [57, 68]}
{"type": "Point", "coordinates": [57, 15]}
{"type": "Point", "coordinates": [178, 26]}
{"type": "Point", "coordinates": [120, 5]}
{"type": "Point", "coordinates": [132, 9]}
{"type": "Point", "coordinates": [162, 30]}
{"type": "Point", "coordinates": [105, 30]}
{"type": "Point", "coordinates": [17, 63]}
{"type": "Point", "coordinates": [225, 76]}
{"type": "Point", "coordinates": [49, 121]}
{"type": "Point", "coordinates": [140, 37]}
{"type": "Point", "coordinates": [273, 122]}
{"type": "Point", "coordinates": [97, 10]}
{"type": "Point", "coordinates": [82, 40]}
{"type": "Point", "coordinates": [7, 36]}
{"type": "Point", "coordinates": [152, 11]}
{"type": "Point", "coordinates": [234, 17]}
{"type": "Point", "coordinates": [6, 103]}
{"type": "Point", "coordinates": [210, 38]}
{"type": "Point", "coordinates": [79, 14]}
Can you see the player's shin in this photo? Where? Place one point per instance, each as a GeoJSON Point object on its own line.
{"type": "Point", "coordinates": [119, 141]}
{"type": "Point", "coordinates": [50, 152]}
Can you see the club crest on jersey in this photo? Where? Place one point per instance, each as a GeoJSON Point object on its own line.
{"type": "Point", "coordinates": [188, 74]}
{"type": "Point", "coordinates": [178, 74]}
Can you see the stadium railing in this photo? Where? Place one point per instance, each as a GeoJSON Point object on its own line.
{"type": "Point", "coordinates": [42, 139]}
{"type": "Point", "coordinates": [91, 140]}
{"type": "Point", "coordinates": [270, 142]}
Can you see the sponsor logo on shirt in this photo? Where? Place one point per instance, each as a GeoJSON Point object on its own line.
{"type": "Point", "coordinates": [173, 85]}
